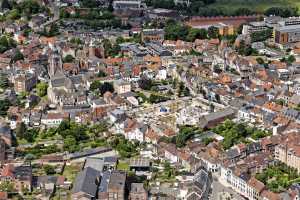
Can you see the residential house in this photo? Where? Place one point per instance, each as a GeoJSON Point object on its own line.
{"type": "Point", "coordinates": [116, 186]}
{"type": "Point", "coordinates": [200, 187]}
{"type": "Point", "coordinates": [288, 152]}
{"type": "Point", "coordinates": [122, 87]}
{"type": "Point", "coordinates": [20, 176]}
{"type": "Point", "coordinates": [170, 152]}
{"type": "Point", "coordinates": [24, 83]}
{"type": "Point", "coordinates": [138, 192]}
{"type": "Point", "coordinates": [152, 35]}
{"type": "Point", "coordinates": [134, 130]}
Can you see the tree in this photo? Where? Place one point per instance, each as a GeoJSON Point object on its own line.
{"type": "Point", "coordinates": [89, 3]}
{"type": "Point", "coordinates": [7, 186]}
{"type": "Point", "coordinates": [260, 61]}
{"type": "Point", "coordinates": [68, 58]}
{"type": "Point", "coordinates": [261, 35]}
{"type": "Point", "coordinates": [291, 59]}
{"type": "Point", "coordinates": [54, 30]}
{"type": "Point", "coordinates": [281, 11]}
{"type": "Point", "coordinates": [213, 32]}
{"type": "Point", "coordinates": [120, 40]}
{"type": "Point", "coordinates": [243, 11]}
{"type": "Point", "coordinates": [95, 85]}
{"type": "Point", "coordinates": [76, 40]}
{"type": "Point", "coordinates": [207, 140]}
{"type": "Point", "coordinates": [106, 87]}
{"type": "Point", "coordinates": [70, 144]}
{"type": "Point", "coordinates": [13, 14]}
{"type": "Point", "coordinates": [246, 50]}
{"type": "Point", "coordinates": [6, 43]}
{"type": "Point", "coordinates": [101, 74]}
{"type": "Point", "coordinates": [64, 125]}
{"type": "Point", "coordinates": [186, 91]}
{"type": "Point", "coordinates": [30, 135]}
{"type": "Point", "coordinates": [196, 34]}
{"type": "Point", "coordinates": [107, 46]}
{"type": "Point", "coordinates": [20, 130]}
{"type": "Point", "coordinates": [4, 105]}
{"type": "Point", "coordinates": [42, 89]}
{"type": "Point", "coordinates": [17, 56]}
{"type": "Point", "coordinates": [49, 169]}
{"type": "Point", "coordinates": [175, 31]}
{"type": "Point", "coordinates": [145, 83]}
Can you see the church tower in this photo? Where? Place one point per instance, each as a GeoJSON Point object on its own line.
{"type": "Point", "coordinates": [55, 69]}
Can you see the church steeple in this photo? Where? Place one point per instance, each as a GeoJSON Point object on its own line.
{"type": "Point", "coordinates": [55, 69]}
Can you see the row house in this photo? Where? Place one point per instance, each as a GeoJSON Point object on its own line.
{"type": "Point", "coordinates": [252, 114]}
{"type": "Point", "coordinates": [211, 157]}
{"type": "Point", "coordinates": [151, 136]}
{"type": "Point", "coordinates": [20, 176]}
{"type": "Point", "coordinates": [156, 35]}
{"type": "Point", "coordinates": [53, 119]}
{"type": "Point", "coordinates": [25, 83]}
{"type": "Point", "coordinates": [169, 152]}
{"type": "Point", "coordinates": [242, 151]}
{"type": "Point", "coordinates": [240, 181]}
{"type": "Point", "coordinates": [237, 178]}
{"type": "Point", "coordinates": [288, 151]}
{"type": "Point", "coordinates": [291, 114]}
{"type": "Point", "coordinates": [178, 47]}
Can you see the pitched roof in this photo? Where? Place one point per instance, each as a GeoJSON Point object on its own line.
{"type": "Point", "coordinates": [86, 182]}
{"type": "Point", "coordinates": [256, 184]}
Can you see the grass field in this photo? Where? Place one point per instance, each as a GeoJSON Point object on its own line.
{"type": "Point", "coordinates": [71, 171]}
{"type": "Point", "coordinates": [124, 166]}
{"type": "Point", "coordinates": [257, 5]}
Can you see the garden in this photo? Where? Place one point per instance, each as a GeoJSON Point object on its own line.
{"type": "Point", "coordinates": [279, 177]}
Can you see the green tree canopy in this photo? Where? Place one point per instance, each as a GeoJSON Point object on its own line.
{"type": "Point", "coordinates": [17, 56]}
{"type": "Point", "coordinates": [42, 89]}
{"type": "Point", "coordinates": [213, 32]}
{"type": "Point", "coordinates": [68, 58]}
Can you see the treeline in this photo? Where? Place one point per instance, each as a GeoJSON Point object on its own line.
{"type": "Point", "coordinates": [202, 8]}
{"type": "Point", "coordinates": [283, 12]}
{"type": "Point", "coordinates": [25, 8]}
{"type": "Point", "coordinates": [219, 11]}
{"type": "Point", "coordinates": [92, 14]}
{"type": "Point", "coordinates": [261, 35]}
{"type": "Point", "coordinates": [178, 31]}
{"type": "Point", "coordinates": [94, 18]}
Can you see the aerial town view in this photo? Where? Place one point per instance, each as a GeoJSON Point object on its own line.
{"type": "Point", "coordinates": [150, 99]}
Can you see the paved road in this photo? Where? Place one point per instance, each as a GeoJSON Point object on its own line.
{"type": "Point", "coordinates": [217, 188]}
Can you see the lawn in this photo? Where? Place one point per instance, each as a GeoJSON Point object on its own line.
{"type": "Point", "coordinates": [257, 5]}
{"type": "Point", "coordinates": [124, 166]}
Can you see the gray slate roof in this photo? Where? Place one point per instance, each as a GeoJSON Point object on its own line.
{"type": "Point", "coordinates": [86, 182]}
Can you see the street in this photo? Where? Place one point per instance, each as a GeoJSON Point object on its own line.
{"type": "Point", "coordinates": [218, 188]}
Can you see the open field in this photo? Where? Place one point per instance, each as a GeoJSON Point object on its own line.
{"type": "Point", "coordinates": [256, 5]}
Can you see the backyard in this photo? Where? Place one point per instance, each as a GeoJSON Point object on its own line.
{"type": "Point", "coordinates": [71, 171]}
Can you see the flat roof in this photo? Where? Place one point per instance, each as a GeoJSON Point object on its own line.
{"type": "Point", "coordinates": [291, 28]}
